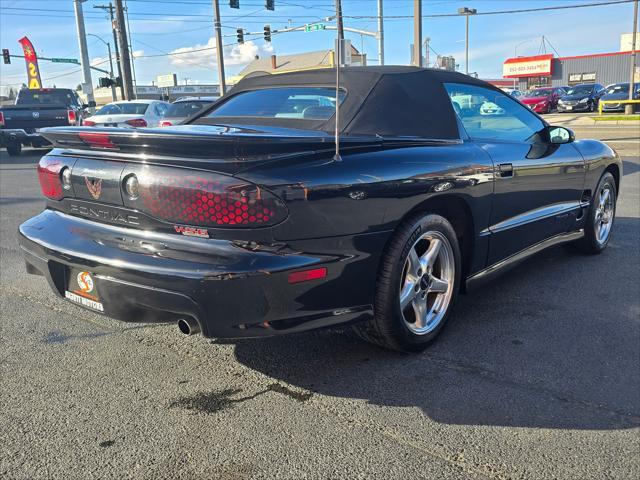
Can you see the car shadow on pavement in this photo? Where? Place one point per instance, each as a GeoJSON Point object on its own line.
{"type": "Point", "coordinates": [551, 344]}
{"type": "Point", "coordinates": [629, 167]}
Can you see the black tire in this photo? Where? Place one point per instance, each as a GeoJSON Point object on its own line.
{"type": "Point", "coordinates": [590, 243]}
{"type": "Point", "coordinates": [388, 327]}
{"type": "Point", "coordinates": [14, 149]}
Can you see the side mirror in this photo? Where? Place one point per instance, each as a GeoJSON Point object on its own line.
{"type": "Point", "coordinates": [91, 104]}
{"type": "Point", "coordinates": [560, 135]}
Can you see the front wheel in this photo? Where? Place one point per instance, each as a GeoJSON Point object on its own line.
{"type": "Point", "coordinates": [417, 284]}
{"type": "Point", "coordinates": [599, 221]}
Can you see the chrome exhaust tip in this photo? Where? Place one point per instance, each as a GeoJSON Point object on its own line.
{"type": "Point", "coordinates": [188, 326]}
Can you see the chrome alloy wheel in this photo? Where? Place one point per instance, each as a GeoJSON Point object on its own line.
{"type": "Point", "coordinates": [427, 282]}
{"type": "Point", "coordinates": [603, 219]}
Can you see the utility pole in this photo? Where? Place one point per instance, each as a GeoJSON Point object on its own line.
{"type": "Point", "coordinates": [339, 20]}
{"type": "Point", "coordinates": [219, 47]}
{"type": "Point", "coordinates": [467, 12]}
{"type": "Point", "coordinates": [380, 34]}
{"type": "Point", "coordinates": [125, 58]}
{"type": "Point", "coordinates": [114, 30]}
{"type": "Point", "coordinates": [628, 108]}
{"type": "Point", "coordinates": [417, 33]}
{"type": "Point", "coordinates": [87, 85]}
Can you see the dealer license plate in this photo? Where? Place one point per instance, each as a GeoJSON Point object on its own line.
{"type": "Point", "coordinates": [82, 290]}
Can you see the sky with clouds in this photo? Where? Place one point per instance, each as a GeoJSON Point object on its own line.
{"type": "Point", "coordinates": [161, 27]}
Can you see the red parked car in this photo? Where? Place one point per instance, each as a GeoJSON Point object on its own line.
{"type": "Point", "coordinates": [542, 100]}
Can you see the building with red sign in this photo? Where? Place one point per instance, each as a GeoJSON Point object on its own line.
{"type": "Point", "coordinates": [547, 70]}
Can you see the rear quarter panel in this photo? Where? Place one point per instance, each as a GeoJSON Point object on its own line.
{"type": "Point", "coordinates": [373, 191]}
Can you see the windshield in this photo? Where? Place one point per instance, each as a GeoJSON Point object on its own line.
{"type": "Point", "coordinates": [309, 103]}
{"type": "Point", "coordinates": [618, 88]}
{"type": "Point", "coordinates": [39, 97]}
{"type": "Point", "coordinates": [123, 109]}
{"type": "Point", "coordinates": [540, 92]}
{"type": "Point", "coordinates": [580, 90]}
{"type": "Point", "coordinates": [186, 109]}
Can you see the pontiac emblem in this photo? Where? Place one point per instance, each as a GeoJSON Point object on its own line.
{"type": "Point", "coordinates": [35, 114]}
{"type": "Point", "coordinates": [94, 187]}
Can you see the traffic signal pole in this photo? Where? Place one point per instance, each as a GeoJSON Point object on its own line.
{"type": "Point", "coordinates": [219, 47]}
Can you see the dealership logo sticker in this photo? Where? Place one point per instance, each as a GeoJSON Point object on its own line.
{"type": "Point", "coordinates": [192, 231]}
{"type": "Point", "coordinates": [94, 187]}
{"type": "Point", "coordinates": [85, 282]}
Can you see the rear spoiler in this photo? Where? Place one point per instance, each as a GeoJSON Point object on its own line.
{"type": "Point", "coordinates": [215, 142]}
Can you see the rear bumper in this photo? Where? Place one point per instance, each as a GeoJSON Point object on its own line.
{"type": "Point", "coordinates": [17, 135]}
{"type": "Point", "coordinates": [232, 289]}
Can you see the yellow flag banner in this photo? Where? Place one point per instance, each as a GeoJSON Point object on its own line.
{"type": "Point", "coordinates": [31, 59]}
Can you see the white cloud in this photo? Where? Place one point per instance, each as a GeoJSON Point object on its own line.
{"type": "Point", "coordinates": [205, 55]}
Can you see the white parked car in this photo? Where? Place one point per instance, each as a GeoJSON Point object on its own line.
{"type": "Point", "coordinates": [129, 114]}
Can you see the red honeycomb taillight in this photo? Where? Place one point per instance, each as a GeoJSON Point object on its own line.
{"type": "Point", "coordinates": [49, 170]}
{"type": "Point", "coordinates": [202, 199]}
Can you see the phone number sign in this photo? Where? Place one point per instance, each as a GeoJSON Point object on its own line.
{"type": "Point", "coordinates": [540, 65]}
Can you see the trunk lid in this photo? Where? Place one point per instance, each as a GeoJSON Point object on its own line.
{"type": "Point", "coordinates": [221, 148]}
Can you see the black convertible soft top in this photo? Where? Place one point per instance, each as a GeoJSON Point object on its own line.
{"type": "Point", "coordinates": [397, 101]}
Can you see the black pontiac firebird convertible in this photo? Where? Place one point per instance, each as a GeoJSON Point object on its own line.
{"type": "Point", "coordinates": [243, 222]}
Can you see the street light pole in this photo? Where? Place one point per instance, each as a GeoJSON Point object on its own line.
{"type": "Point", "coordinates": [219, 48]}
{"type": "Point", "coordinates": [466, 12]}
{"type": "Point", "coordinates": [380, 34]}
{"type": "Point", "coordinates": [417, 33]}
{"type": "Point", "coordinates": [628, 108]}
{"type": "Point", "coordinates": [114, 96]}
{"type": "Point", "coordinates": [84, 52]}
{"type": "Point", "coordinates": [515, 55]}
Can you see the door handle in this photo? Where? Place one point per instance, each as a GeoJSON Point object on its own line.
{"type": "Point", "coordinates": [505, 169]}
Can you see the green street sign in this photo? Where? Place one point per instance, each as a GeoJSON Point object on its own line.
{"type": "Point", "coordinates": [65, 60]}
{"type": "Point", "coordinates": [312, 27]}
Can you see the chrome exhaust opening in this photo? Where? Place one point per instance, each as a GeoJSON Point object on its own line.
{"type": "Point", "coordinates": [188, 326]}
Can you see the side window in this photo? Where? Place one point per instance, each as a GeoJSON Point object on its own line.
{"type": "Point", "coordinates": [491, 115]}
{"type": "Point", "coordinates": [160, 109]}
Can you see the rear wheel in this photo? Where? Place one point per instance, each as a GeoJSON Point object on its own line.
{"type": "Point", "coordinates": [14, 149]}
{"type": "Point", "coordinates": [417, 284]}
{"type": "Point", "coordinates": [599, 221]}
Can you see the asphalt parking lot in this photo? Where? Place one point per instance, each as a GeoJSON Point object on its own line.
{"type": "Point", "coordinates": [537, 376]}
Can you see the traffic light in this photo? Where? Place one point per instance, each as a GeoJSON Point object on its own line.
{"type": "Point", "coordinates": [6, 56]}
{"type": "Point", "coordinates": [267, 33]}
{"type": "Point", "coordinates": [270, 5]}
{"type": "Point", "coordinates": [240, 33]}
{"type": "Point", "coordinates": [105, 82]}
{"type": "Point", "coordinates": [234, 3]}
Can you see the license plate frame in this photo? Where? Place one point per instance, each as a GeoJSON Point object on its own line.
{"type": "Point", "coordinates": [81, 290]}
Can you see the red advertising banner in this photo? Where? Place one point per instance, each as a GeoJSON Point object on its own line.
{"type": "Point", "coordinates": [537, 66]}
{"type": "Point", "coordinates": [31, 59]}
